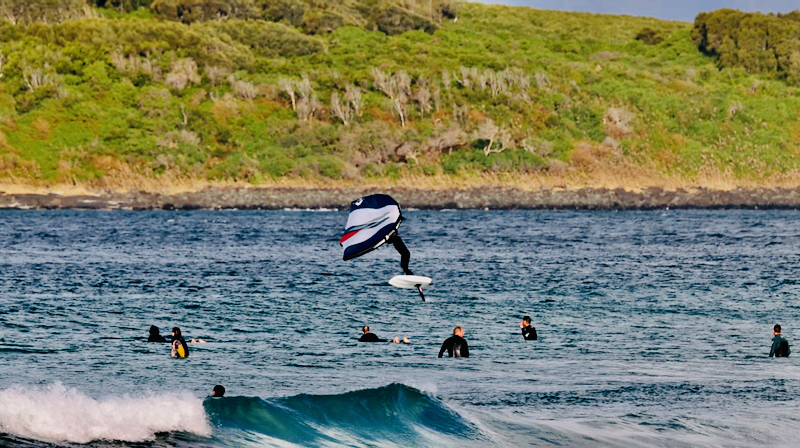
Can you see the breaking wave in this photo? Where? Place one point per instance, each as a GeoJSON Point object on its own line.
{"type": "Point", "coordinates": [59, 414]}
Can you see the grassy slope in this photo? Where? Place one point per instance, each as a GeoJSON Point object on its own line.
{"type": "Point", "coordinates": [690, 123]}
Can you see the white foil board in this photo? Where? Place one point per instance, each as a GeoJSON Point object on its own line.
{"type": "Point", "coordinates": [410, 281]}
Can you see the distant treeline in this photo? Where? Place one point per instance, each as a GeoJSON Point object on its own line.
{"type": "Point", "coordinates": [311, 16]}
{"type": "Point", "coordinates": [758, 43]}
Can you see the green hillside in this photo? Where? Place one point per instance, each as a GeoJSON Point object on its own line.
{"type": "Point", "coordinates": [367, 90]}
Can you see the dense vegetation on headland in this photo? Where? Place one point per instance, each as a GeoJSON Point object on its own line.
{"type": "Point", "coordinates": [117, 92]}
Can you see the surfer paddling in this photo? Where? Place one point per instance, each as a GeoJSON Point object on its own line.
{"type": "Point", "coordinates": [373, 221]}
{"type": "Point", "coordinates": [368, 336]}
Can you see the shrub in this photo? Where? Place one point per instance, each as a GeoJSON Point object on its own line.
{"type": "Point", "coordinates": [317, 21]}
{"type": "Point", "coordinates": [123, 5]}
{"type": "Point", "coordinates": [243, 89]}
{"type": "Point", "coordinates": [183, 72]}
{"type": "Point", "coordinates": [269, 39]}
{"type": "Point", "coordinates": [155, 102]}
{"type": "Point", "coordinates": [134, 64]}
{"type": "Point", "coordinates": [49, 11]}
{"type": "Point", "coordinates": [649, 36]}
{"type": "Point", "coordinates": [146, 37]}
{"type": "Point", "coordinates": [289, 12]}
{"type": "Point", "coordinates": [330, 167]}
{"type": "Point", "coordinates": [393, 19]}
{"type": "Point", "coordinates": [189, 11]}
{"type": "Point", "coordinates": [618, 122]}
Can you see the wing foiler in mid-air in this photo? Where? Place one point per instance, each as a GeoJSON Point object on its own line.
{"type": "Point", "coordinates": [373, 221]}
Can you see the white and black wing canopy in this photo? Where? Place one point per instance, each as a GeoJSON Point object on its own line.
{"type": "Point", "coordinates": [373, 220]}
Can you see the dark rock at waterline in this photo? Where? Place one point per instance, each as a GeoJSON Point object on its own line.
{"type": "Point", "coordinates": [469, 198]}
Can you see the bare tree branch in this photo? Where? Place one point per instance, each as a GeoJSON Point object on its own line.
{"type": "Point", "coordinates": [287, 85]}
{"type": "Point", "coordinates": [304, 87]}
{"type": "Point", "coordinates": [353, 95]}
{"type": "Point", "coordinates": [343, 111]}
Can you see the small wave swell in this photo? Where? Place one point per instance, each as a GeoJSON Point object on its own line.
{"type": "Point", "coordinates": [395, 415]}
{"type": "Point", "coordinates": [59, 414]}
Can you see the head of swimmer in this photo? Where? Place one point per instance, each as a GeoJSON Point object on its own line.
{"type": "Point", "coordinates": [153, 330]}
{"type": "Point", "coordinates": [458, 331]}
{"type": "Point", "coordinates": [176, 332]}
{"type": "Point", "coordinates": [218, 391]}
{"type": "Point", "coordinates": [776, 330]}
{"type": "Point", "coordinates": [364, 329]}
{"type": "Point", "coordinates": [526, 322]}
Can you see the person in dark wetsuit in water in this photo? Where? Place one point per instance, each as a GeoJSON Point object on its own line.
{"type": "Point", "coordinates": [455, 345]}
{"type": "Point", "coordinates": [155, 336]}
{"type": "Point", "coordinates": [177, 340]}
{"type": "Point", "coordinates": [367, 336]}
{"type": "Point", "coordinates": [405, 257]}
{"type": "Point", "coordinates": [780, 346]}
{"type": "Point", "coordinates": [528, 332]}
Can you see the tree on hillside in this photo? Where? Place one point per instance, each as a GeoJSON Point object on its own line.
{"type": "Point", "coordinates": [758, 43]}
{"type": "Point", "coordinates": [47, 11]}
{"type": "Point", "coordinates": [397, 87]}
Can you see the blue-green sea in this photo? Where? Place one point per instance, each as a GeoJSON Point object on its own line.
{"type": "Point", "coordinates": [654, 329]}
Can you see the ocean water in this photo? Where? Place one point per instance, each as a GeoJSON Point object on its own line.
{"type": "Point", "coordinates": [654, 330]}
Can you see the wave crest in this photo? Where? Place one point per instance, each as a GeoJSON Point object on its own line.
{"type": "Point", "coordinates": [60, 414]}
{"type": "Point", "coordinates": [395, 413]}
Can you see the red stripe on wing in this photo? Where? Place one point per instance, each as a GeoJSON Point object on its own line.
{"type": "Point", "coordinates": [347, 236]}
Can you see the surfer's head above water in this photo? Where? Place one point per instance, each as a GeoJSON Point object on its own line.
{"type": "Point", "coordinates": [458, 331]}
{"type": "Point", "coordinates": [365, 329]}
{"type": "Point", "coordinates": [155, 336]}
{"type": "Point", "coordinates": [776, 329]}
{"type": "Point", "coordinates": [528, 332]}
{"type": "Point", "coordinates": [218, 391]}
{"type": "Point", "coordinates": [176, 332]}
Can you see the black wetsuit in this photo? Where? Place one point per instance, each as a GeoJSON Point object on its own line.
{"type": "Point", "coordinates": [456, 347]}
{"type": "Point", "coordinates": [370, 337]}
{"type": "Point", "coordinates": [776, 342]}
{"type": "Point", "coordinates": [156, 338]}
{"type": "Point", "coordinates": [183, 343]}
{"type": "Point", "coordinates": [405, 255]}
{"type": "Point", "coordinates": [529, 333]}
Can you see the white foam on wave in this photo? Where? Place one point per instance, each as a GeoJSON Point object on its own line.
{"type": "Point", "coordinates": [59, 414]}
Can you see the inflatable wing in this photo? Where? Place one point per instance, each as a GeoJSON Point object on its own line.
{"type": "Point", "coordinates": [373, 220]}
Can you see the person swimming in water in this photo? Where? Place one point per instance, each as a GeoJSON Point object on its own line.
{"type": "Point", "coordinates": [155, 336]}
{"type": "Point", "coordinates": [218, 391]}
{"type": "Point", "coordinates": [528, 332]}
{"type": "Point", "coordinates": [367, 336]}
{"type": "Point", "coordinates": [455, 345]}
{"type": "Point", "coordinates": [179, 347]}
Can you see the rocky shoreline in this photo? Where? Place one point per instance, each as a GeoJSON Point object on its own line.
{"type": "Point", "coordinates": [468, 198]}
